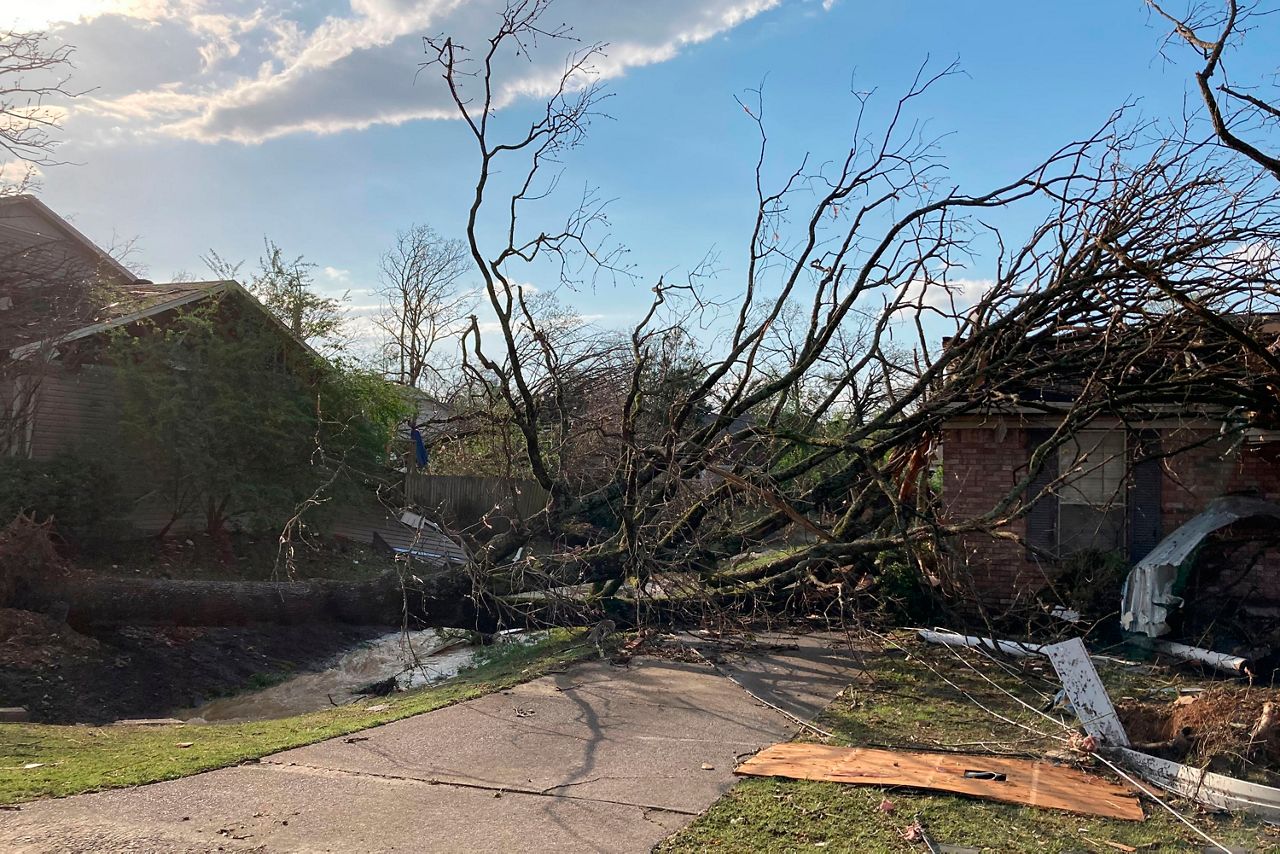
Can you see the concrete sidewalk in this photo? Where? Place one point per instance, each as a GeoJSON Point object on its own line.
{"type": "Point", "coordinates": [599, 758]}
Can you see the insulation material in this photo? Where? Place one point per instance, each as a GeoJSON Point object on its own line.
{"type": "Point", "coordinates": [996, 778]}
{"type": "Point", "coordinates": [1148, 595]}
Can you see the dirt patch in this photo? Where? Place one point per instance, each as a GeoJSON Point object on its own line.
{"type": "Point", "coordinates": [62, 676]}
{"type": "Point", "coordinates": [242, 557]}
{"type": "Point", "coordinates": [29, 641]}
{"type": "Point", "coordinates": [1218, 723]}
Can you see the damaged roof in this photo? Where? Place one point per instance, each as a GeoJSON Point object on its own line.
{"type": "Point", "coordinates": [142, 296]}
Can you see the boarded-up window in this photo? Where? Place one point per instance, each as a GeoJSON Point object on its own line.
{"type": "Point", "coordinates": [1091, 498]}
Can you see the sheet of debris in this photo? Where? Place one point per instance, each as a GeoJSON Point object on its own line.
{"type": "Point", "coordinates": [996, 778]}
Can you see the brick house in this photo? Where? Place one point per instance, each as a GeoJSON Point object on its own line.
{"type": "Point", "coordinates": [1118, 486]}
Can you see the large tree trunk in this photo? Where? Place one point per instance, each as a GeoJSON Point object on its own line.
{"type": "Point", "coordinates": [441, 599]}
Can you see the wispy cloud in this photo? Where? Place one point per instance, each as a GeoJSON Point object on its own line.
{"type": "Point", "coordinates": [17, 174]}
{"type": "Point", "coordinates": [249, 71]}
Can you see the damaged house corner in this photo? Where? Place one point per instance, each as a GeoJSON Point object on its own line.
{"type": "Point", "coordinates": [1148, 593]}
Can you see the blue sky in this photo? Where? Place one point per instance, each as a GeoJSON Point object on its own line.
{"type": "Point", "coordinates": [214, 122]}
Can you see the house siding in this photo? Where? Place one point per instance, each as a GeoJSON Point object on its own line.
{"type": "Point", "coordinates": [77, 411]}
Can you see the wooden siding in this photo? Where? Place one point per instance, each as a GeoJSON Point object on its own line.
{"type": "Point", "coordinates": [77, 411]}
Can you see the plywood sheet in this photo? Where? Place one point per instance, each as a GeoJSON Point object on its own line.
{"type": "Point", "coordinates": [1037, 784]}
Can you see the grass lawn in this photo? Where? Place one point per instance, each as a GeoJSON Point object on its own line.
{"type": "Point", "coordinates": [904, 704]}
{"type": "Point", "coordinates": [39, 760]}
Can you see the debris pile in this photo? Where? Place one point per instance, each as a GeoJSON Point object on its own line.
{"type": "Point", "coordinates": [30, 641]}
{"type": "Point", "coordinates": [1227, 729]}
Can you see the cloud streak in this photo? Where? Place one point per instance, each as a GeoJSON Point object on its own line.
{"type": "Point", "coordinates": [249, 72]}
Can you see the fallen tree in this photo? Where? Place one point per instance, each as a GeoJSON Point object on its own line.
{"type": "Point", "coordinates": [806, 427]}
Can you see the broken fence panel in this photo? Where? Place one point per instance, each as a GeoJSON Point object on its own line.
{"type": "Point", "coordinates": [1084, 688]}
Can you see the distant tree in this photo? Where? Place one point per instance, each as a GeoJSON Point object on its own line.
{"type": "Point", "coordinates": [31, 72]}
{"type": "Point", "coordinates": [424, 301]}
{"type": "Point", "coordinates": [287, 288]}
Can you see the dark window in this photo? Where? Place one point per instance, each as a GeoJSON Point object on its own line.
{"type": "Point", "coordinates": [1091, 496]}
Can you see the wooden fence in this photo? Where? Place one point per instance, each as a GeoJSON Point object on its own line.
{"type": "Point", "coordinates": [464, 499]}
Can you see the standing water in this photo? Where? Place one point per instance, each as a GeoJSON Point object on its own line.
{"type": "Point", "coordinates": [412, 658]}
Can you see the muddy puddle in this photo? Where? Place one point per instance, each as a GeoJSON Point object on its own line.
{"type": "Point", "coordinates": [411, 658]}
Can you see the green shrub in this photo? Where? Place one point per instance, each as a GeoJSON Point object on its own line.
{"type": "Point", "coordinates": [1090, 581]}
{"type": "Point", "coordinates": [79, 494]}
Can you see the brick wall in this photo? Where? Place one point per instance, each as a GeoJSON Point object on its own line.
{"type": "Point", "coordinates": [982, 464]}
{"type": "Point", "coordinates": [980, 467]}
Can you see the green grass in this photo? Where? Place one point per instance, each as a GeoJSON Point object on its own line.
{"type": "Point", "coordinates": [74, 759]}
{"type": "Point", "coordinates": [904, 704]}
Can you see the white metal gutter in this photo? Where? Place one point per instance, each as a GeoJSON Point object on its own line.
{"type": "Point", "coordinates": [1008, 647]}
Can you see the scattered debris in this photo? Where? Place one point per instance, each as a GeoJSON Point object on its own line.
{"type": "Point", "coordinates": [1147, 596]}
{"type": "Point", "coordinates": [381, 688]}
{"type": "Point", "coordinates": [917, 833]}
{"type": "Point", "coordinates": [1008, 647]}
{"type": "Point", "coordinates": [184, 744]}
{"type": "Point", "coordinates": [887, 805]}
{"type": "Point", "coordinates": [707, 766]}
{"type": "Point", "coordinates": [378, 707]}
{"type": "Point", "coordinates": [1099, 719]}
{"type": "Point", "coordinates": [1205, 787]}
{"type": "Point", "coordinates": [1264, 729]}
{"type": "Point", "coordinates": [1017, 781]}
{"type": "Point", "coordinates": [1088, 698]}
{"type": "Point", "coordinates": [148, 722]}
{"type": "Point", "coordinates": [1119, 846]}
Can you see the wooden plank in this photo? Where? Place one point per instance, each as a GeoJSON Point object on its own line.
{"type": "Point", "coordinates": [1037, 784]}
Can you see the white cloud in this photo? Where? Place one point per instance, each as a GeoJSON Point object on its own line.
{"type": "Point", "coordinates": [38, 14]}
{"type": "Point", "coordinates": [946, 295]}
{"type": "Point", "coordinates": [248, 72]}
{"type": "Point", "coordinates": [17, 174]}
{"type": "Point", "coordinates": [336, 275]}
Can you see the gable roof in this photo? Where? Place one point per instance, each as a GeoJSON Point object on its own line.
{"type": "Point", "coordinates": [142, 300]}
{"type": "Point", "coordinates": [65, 231]}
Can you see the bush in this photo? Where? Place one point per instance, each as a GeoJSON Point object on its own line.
{"type": "Point", "coordinates": [1090, 582]}
{"type": "Point", "coordinates": [78, 494]}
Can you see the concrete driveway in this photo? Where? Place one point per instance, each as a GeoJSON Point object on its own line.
{"type": "Point", "coordinates": [598, 758]}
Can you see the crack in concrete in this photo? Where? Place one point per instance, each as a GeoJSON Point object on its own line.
{"type": "Point", "coordinates": [486, 787]}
